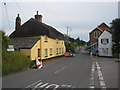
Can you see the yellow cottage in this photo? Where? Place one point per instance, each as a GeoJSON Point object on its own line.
{"type": "Point", "coordinates": [37, 40]}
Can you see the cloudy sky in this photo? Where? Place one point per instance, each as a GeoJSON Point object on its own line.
{"type": "Point", "coordinates": [81, 16]}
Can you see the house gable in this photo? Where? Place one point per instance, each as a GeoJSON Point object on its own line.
{"type": "Point", "coordinates": [105, 44]}
{"type": "Point", "coordinates": [105, 34]}
{"type": "Point", "coordinates": [103, 26]}
{"type": "Point", "coordinates": [92, 35]}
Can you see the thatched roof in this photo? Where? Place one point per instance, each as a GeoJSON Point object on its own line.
{"type": "Point", "coordinates": [35, 28]}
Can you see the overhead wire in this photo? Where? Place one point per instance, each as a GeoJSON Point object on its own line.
{"type": "Point", "coordinates": [7, 14]}
{"type": "Point", "coordinates": [20, 9]}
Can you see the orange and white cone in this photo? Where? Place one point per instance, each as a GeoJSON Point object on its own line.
{"type": "Point", "coordinates": [39, 64]}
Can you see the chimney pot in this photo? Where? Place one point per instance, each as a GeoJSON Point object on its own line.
{"type": "Point", "coordinates": [37, 12]}
{"type": "Point", "coordinates": [18, 22]}
{"type": "Point", "coordinates": [38, 17]}
{"type": "Point", "coordinates": [18, 15]}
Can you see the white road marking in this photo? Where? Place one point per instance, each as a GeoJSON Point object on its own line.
{"type": "Point", "coordinates": [36, 86]}
{"type": "Point", "coordinates": [96, 66]}
{"type": "Point", "coordinates": [33, 84]}
{"type": "Point", "coordinates": [100, 76]}
{"type": "Point", "coordinates": [91, 87]}
{"type": "Point", "coordinates": [51, 85]}
{"type": "Point", "coordinates": [68, 86]}
{"type": "Point", "coordinates": [44, 85]}
{"type": "Point", "coordinates": [60, 70]}
{"type": "Point", "coordinates": [92, 76]}
{"type": "Point", "coordinates": [39, 84]}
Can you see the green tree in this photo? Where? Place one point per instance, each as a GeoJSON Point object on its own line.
{"type": "Point", "coordinates": [5, 39]}
{"type": "Point", "coordinates": [80, 42]}
{"type": "Point", "coordinates": [115, 25]}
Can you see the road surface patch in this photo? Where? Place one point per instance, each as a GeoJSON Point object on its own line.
{"type": "Point", "coordinates": [45, 86]}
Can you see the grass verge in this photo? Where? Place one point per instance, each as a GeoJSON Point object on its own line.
{"type": "Point", "coordinates": [14, 62]}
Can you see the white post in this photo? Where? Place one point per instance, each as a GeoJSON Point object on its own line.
{"type": "Point", "coordinates": [91, 54]}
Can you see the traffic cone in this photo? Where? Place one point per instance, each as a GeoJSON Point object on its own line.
{"type": "Point", "coordinates": [39, 64]}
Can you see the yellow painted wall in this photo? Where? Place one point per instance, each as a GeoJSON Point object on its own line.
{"type": "Point", "coordinates": [34, 51]}
{"type": "Point", "coordinates": [51, 43]}
{"type": "Point", "coordinates": [42, 45]}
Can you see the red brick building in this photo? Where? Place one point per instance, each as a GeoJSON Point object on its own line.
{"type": "Point", "coordinates": [94, 35]}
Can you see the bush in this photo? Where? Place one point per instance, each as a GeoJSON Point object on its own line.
{"type": "Point", "coordinates": [14, 62]}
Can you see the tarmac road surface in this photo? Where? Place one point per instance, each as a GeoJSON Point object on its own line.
{"type": "Point", "coordinates": [81, 71]}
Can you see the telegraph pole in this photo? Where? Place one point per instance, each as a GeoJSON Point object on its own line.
{"type": "Point", "coordinates": [68, 30]}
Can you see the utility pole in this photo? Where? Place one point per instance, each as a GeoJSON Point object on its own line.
{"type": "Point", "coordinates": [68, 30]}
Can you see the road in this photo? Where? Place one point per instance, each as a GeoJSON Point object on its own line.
{"type": "Point", "coordinates": [81, 71]}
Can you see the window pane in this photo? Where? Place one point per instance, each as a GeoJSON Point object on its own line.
{"type": "Point", "coordinates": [45, 53]}
{"type": "Point", "coordinates": [38, 52]}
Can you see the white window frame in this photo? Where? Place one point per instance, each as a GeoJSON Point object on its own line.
{"type": "Point", "coordinates": [56, 50]}
{"type": "Point", "coordinates": [50, 51]}
{"type": "Point", "coordinates": [59, 50]}
{"type": "Point", "coordinates": [57, 41]}
{"type": "Point", "coordinates": [39, 52]}
{"type": "Point", "coordinates": [45, 52]}
{"type": "Point", "coordinates": [105, 51]}
{"type": "Point", "coordinates": [96, 34]}
{"type": "Point", "coordinates": [104, 40]}
{"type": "Point", "coordinates": [62, 50]}
{"type": "Point", "coordinates": [45, 38]}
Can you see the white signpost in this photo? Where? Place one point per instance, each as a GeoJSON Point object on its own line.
{"type": "Point", "coordinates": [10, 48]}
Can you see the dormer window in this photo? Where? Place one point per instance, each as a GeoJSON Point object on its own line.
{"type": "Point", "coordinates": [45, 38]}
{"type": "Point", "coordinates": [57, 41]}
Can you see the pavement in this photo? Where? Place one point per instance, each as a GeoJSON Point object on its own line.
{"type": "Point", "coordinates": [81, 71]}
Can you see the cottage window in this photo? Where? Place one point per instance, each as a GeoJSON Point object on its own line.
{"type": "Point", "coordinates": [57, 41]}
{"type": "Point", "coordinates": [45, 53]}
{"type": "Point", "coordinates": [50, 51]}
{"type": "Point", "coordinates": [105, 41]}
{"type": "Point", "coordinates": [105, 51]}
{"type": "Point", "coordinates": [96, 34]}
{"type": "Point", "coordinates": [62, 50]}
{"type": "Point", "coordinates": [59, 50]}
{"type": "Point", "coordinates": [45, 38]}
{"type": "Point", "coordinates": [56, 50]}
{"type": "Point", "coordinates": [38, 52]}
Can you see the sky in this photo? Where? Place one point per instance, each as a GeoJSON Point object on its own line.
{"type": "Point", "coordinates": [81, 17]}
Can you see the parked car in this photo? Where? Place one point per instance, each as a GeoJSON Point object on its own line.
{"type": "Point", "coordinates": [66, 54]}
{"type": "Point", "coordinates": [69, 54]}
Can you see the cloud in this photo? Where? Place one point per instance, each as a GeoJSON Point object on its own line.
{"type": "Point", "coordinates": [81, 16]}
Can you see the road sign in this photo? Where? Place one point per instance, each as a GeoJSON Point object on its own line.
{"type": "Point", "coordinates": [10, 48]}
